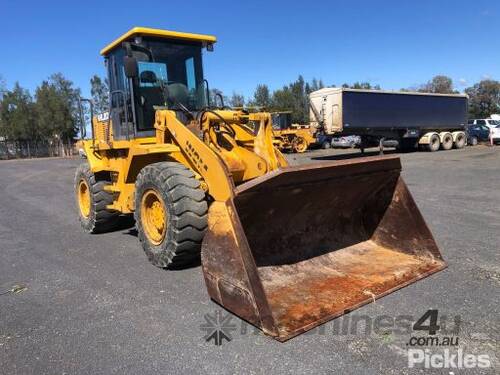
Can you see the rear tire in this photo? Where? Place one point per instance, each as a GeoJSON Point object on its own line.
{"type": "Point", "coordinates": [460, 141]}
{"type": "Point", "coordinates": [473, 141]}
{"type": "Point", "coordinates": [447, 142]}
{"type": "Point", "coordinates": [91, 201]}
{"type": "Point", "coordinates": [170, 214]}
{"type": "Point", "coordinates": [434, 143]}
{"type": "Point", "coordinates": [326, 145]}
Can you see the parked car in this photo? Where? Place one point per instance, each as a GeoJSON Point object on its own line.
{"type": "Point", "coordinates": [477, 133]}
{"type": "Point", "coordinates": [489, 122]}
{"type": "Point", "coordinates": [350, 141]}
{"type": "Point", "coordinates": [323, 140]}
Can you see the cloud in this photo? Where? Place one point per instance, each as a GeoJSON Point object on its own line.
{"type": "Point", "coordinates": [485, 76]}
{"type": "Point", "coordinates": [462, 81]}
{"type": "Point", "coordinates": [485, 12]}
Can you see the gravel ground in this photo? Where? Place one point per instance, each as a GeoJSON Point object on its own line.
{"type": "Point", "coordinates": [92, 304]}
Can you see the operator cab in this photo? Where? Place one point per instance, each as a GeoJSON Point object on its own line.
{"type": "Point", "coordinates": [282, 120]}
{"type": "Point", "coordinates": [150, 68]}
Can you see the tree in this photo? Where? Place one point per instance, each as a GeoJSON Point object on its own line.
{"type": "Point", "coordinates": [237, 100]}
{"type": "Point", "coordinates": [17, 115]}
{"type": "Point", "coordinates": [293, 98]}
{"type": "Point", "coordinates": [3, 87]}
{"type": "Point", "coordinates": [215, 98]}
{"type": "Point", "coordinates": [99, 89]}
{"type": "Point", "coordinates": [361, 86]}
{"type": "Point", "coordinates": [300, 111]}
{"type": "Point", "coordinates": [51, 110]}
{"type": "Point", "coordinates": [57, 108]}
{"type": "Point", "coordinates": [261, 97]}
{"type": "Point", "coordinates": [484, 98]}
{"type": "Point", "coordinates": [283, 99]}
{"type": "Point", "coordinates": [439, 85]}
{"type": "Point", "coordinates": [3, 90]}
{"type": "Point", "coordinates": [315, 85]}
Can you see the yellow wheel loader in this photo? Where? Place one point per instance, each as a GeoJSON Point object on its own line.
{"type": "Point", "coordinates": [285, 248]}
{"type": "Point", "coordinates": [295, 139]}
{"type": "Point", "coordinates": [291, 137]}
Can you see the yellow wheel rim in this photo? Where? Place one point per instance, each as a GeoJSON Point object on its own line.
{"type": "Point", "coordinates": [153, 216]}
{"type": "Point", "coordinates": [301, 145]}
{"type": "Point", "coordinates": [84, 201]}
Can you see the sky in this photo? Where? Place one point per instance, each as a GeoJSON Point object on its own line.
{"type": "Point", "coordinates": [394, 44]}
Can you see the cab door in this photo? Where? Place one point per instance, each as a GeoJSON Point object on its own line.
{"type": "Point", "coordinates": [121, 106]}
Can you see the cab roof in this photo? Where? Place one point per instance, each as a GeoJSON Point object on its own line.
{"type": "Point", "coordinates": [159, 33]}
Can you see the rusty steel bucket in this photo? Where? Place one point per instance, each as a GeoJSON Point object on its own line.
{"type": "Point", "coordinates": [302, 245]}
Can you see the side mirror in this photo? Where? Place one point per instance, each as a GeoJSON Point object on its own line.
{"type": "Point", "coordinates": [131, 67]}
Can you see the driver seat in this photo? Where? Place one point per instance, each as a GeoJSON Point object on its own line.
{"type": "Point", "coordinates": [150, 95]}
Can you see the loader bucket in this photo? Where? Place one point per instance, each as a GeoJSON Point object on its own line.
{"type": "Point", "coordinates": [302, 245]}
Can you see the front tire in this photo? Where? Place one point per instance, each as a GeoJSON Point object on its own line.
{"type": "Point", "coordinates": [299, 145]}
{"type": "Point", "coordinates": [171, 214]}
{"type": "Point", "coordinates": [92, 200]}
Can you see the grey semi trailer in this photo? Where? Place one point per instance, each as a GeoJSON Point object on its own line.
{"type": "Point", "coordinates": [406, 120]}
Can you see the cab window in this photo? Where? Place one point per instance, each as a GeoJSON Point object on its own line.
{"type": "Point", "coordinates": [151, 74]}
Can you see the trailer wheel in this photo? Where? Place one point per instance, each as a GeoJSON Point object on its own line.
{"type": "Point", "coordinates": [473, 141]}
{"type": "Point", "coordinates": [434, 143]}
{"type": "Point", "coordinates": [326, 145]}
{"type": "Point", "coordinates": [447, 141]}
{"type": "Point", "coordinates": [460, 141]}
{"type": "Point", "coordinates": [170, 214]}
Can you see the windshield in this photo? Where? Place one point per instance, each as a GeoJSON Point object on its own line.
{"type": "Point", "coordinates": [494, 122]}
{"type": "Point", "coordinates": [170, 74]}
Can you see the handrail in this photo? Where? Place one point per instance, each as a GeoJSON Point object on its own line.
{"type": "Point", "coordinates": [83, 128]}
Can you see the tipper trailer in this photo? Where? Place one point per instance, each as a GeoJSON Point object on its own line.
{"type": "Point", "coordinates": [402, 119]}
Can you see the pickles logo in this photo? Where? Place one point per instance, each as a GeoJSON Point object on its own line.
{"type": "Point", "coordinates": [449, 357]}
{"type": "Point", "coordinates": [218, 327]}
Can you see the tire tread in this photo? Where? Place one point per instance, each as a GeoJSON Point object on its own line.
{"type": "Point", "coordinates": [187, 214]}
{"type": "Point", "coordinates": [101, 219]}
